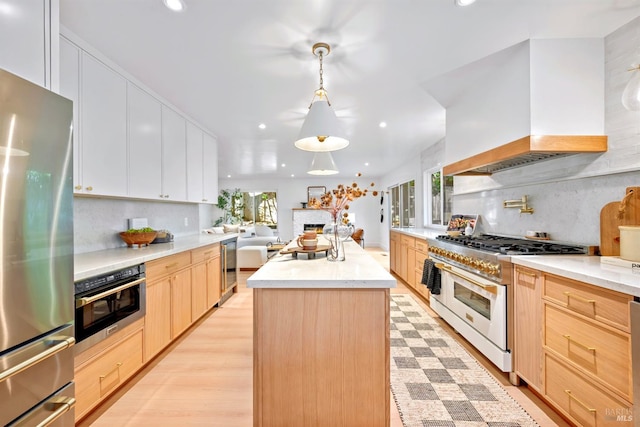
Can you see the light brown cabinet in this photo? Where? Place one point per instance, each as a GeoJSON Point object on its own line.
{"type": "Point", "coordinates": [100, 370]}
{"type": "Point", "coordinates": [205, 279]}
{"type": "Point", "coordinates": [168, 301]}
{"type": "Point", "coordinates": [584, 346]}
{"type": "Point", "coordinates": [527, 357]}
{"type": "Point", "coordinates": [407, 255]}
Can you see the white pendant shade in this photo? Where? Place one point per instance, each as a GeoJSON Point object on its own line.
{"type": "Point", "coordinates": [631, 94]}
{"type": "Point", "coordinates": [321, 130]}
{"type": "Point", "coordinates": [323, 164]}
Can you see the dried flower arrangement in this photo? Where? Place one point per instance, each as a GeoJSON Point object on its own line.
{"type": "Point", "coordinates": [336, 201]}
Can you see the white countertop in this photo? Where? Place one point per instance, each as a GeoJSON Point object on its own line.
{"type": "Point", "coordinates": [99, 262]}
{"type": "Point", "coordinates": [422, 233]}
{"type": "Point", "coordinates": [359, 270]}
{"type": "Point", "coordinates": [586, 269]}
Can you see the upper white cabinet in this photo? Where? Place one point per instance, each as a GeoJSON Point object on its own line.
{"type": "Point", "coordinates": [174, 155]}
{"type": "Point", "coordinates": [210, 169]}
{"type": "Point", "coordinates": [127, 142]}
{"type": "Point", "coordinates": [145, 144]}
{"type": "Point", "coordinates": [195, 161]}
{"type": "Point", "coordinates": [103, 133]}
{"type": "Point", "coordinates": [70, 88]}
{"type": "Point", "coordinates": [202, 173]}
{"type": "Point", "coordinates": [25, 39]}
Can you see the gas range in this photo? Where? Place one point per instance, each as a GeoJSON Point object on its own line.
{"type": "Point", "coordinates": [489, 255]}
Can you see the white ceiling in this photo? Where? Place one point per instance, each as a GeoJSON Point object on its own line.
{"type": "Point", "coordinates": [234, 64]}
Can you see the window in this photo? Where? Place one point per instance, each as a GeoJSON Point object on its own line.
{"type": "Point", "coordinates": [403, 205]}
{"type": "Point", "coordinates": [260, 208]}
{"type": "Point", "coordinates": [438, 197]}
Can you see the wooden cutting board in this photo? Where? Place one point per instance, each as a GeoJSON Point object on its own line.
{"type": "Point", "coordinates": [610, 219]}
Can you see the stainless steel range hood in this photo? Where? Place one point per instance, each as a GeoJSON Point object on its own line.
{"type": "Point", "coordinates": [525, 151]}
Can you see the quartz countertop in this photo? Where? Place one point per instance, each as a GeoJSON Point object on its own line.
{"type": "Point", "coordinates": [359, 270]}
{"type": "Point", "coordinates": [586, 269]}
{"type": "Point", "coordinates": [421, 233]}
{"type": "Point", "coordinates": [90, 264]}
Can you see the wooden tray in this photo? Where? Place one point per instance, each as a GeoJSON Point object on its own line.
{"type": "Point", "coordinates": [610, 220]}
{"type": "Point", "coordinates": [311, 254]}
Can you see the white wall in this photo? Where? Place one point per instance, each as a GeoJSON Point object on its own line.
{"type": "Point", "coordinates": [291, 192]}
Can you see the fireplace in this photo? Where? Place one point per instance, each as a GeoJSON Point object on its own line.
{"type": "Point", "coordinates": [313, 227]}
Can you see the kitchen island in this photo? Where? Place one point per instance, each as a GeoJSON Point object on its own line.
{"type": "Point", "coordinates": [321, 341]}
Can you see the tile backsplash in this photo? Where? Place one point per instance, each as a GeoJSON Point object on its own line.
{"type": "Point", "coordinates": [98, 221]}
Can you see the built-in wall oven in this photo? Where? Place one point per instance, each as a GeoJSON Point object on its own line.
{"type": "Point", "coordinates": [229, 279]}
{"type": "Point", "coordinates": [107, 303]}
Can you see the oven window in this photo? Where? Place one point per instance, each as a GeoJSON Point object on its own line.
{"type": "Point", "coordinates": [473, 300]}
{"type": "Point", "coordinates": [106, 311]}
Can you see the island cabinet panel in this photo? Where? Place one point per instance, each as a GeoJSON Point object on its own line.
{"type": "Point", "coordinates": [527, 355]}
{"type": "Point", "coordinates": [319, 355]}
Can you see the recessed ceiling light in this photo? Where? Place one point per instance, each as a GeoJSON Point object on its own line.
{"type": "Point", "coordinates": [383, 124]}
{"type": "Point", "coordinates": [366, 164]}
{"type": "Point", "coordinates": [262, 126]}
{"type": "Point", "coordinates": [283, 165]}
{"type": "Point", "coordinates": [228, 176]}
{"type": "Point", "coordinates": [292, 176]}
{"type": "Point", "coordinates": [175, 5]}
{"type": "Point", "coordinates": [464, 2]}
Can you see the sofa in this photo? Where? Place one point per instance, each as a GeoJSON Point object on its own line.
{"type": "Point", "coordinates": [248, 235]}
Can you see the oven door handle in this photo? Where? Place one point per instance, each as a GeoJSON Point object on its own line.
{"type": "Point", "coordinates": [489, 288]}
{"type": "Point", "coordinates": [80, 302]}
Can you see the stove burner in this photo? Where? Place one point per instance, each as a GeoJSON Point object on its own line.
{"type": "Point", "coordinates": [511, 245]}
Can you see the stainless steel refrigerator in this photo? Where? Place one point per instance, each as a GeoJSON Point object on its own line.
{"type": "Point", "coordinates": [36, 255]}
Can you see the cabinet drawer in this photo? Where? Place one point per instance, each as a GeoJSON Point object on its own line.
{"type": "Point", "coordinates": [102, 375]}
{"type": "Point", "coordinates": [600, 304]}
{"type": "Point", "coordinates": [583, 401]}
{"type": "Point", "coordinates": [167, 265]}
{"type": "Point", "coordinates": [204, 253]}
{"type": "Point", "coordinates": [420, 257]}
{"type": "Point", "coordinates": [602, 351]}
{"type": "Point", "coordinates": [421, 246]}
{"type": "Point", "coordinates": [409, 241]}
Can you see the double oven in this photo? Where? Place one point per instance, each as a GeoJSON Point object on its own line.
{"type": "Point", "coordinates": [476, 295]}
{"type": "Point", "coordinates": [108, 302]}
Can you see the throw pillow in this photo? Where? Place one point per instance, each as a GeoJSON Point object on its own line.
{"type": "Point", "coordinates": [263, 230]}
{"type": "Point", "coordinates": [231, 228]}
{"type": "Point", "coordinates": [248, 232]}
{"type": "Point", "coordinates": [218, 230]}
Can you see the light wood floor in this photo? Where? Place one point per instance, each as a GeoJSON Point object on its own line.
{"type": "Point", "coordinates": [205, 378]}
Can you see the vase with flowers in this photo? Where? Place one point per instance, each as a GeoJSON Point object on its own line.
{"type": "Point", "coordinates": [336, 202]}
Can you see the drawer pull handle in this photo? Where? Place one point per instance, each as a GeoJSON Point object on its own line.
{"type": "Point", "coordinates": [208, 253]}
{"type": "Point", "coordinates": [117, 368]}
{"type": "Point", "coordinates": [568, 337]}
{"type": "Point", "coordinates": [171, 265]}
{"type": "Point", "coordinates": [579, 298]}
{"type": "Point", "coordinates": [527, 273]}
{"type": "Point", "coordinates": [571, 396]}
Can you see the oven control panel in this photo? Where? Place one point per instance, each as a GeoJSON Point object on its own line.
{"type": "Point", "coordinates": [484, 266]}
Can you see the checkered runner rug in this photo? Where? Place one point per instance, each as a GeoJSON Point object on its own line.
{"type": "Point", "coordinates": [436, 382]}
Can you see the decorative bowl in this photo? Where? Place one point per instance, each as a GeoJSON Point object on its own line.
{"type": "Point", "coordinates": [143, 238]}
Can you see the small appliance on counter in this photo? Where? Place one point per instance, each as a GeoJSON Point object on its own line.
{"type": "Point", "coordinates": [164, 236]}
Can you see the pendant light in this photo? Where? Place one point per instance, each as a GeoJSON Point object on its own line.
{"type": "Point", "coordinates": [323, 164]}
{"type": "Point", "coordinates": [321, 130]}
{"type": "Point", "coordinates": [631, 94]}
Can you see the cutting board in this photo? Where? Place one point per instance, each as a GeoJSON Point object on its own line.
{"type": "Point", "coordinates": [311, 253]}
{"type": "Point", "coordinates": [610, 219]}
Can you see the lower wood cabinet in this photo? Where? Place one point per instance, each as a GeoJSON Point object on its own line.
{"type": "Point", "coordinates": [157, 329]}
{"type": "Point", "coordinates": [573, 346]}
{"type": "Point", "coordinates": [103, 372]}
{"type": "Point", "coordinates": [527, 353]}
{"type": "Point", "coordinates": [407, 255]}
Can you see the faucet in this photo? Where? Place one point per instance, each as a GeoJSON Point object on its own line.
{"type": "Point", "coordinates": [519, 203]}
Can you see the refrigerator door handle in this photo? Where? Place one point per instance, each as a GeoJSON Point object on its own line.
{"type": "Point", "coordinates": [60, 405]}
{"type": "Point", "coordinates": [59, 343]}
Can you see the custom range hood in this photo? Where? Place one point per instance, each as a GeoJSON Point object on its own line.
{"type": "Point", "coordinates": [526, 150]}
{"type": "Point", "coordinates": [533, 101]}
